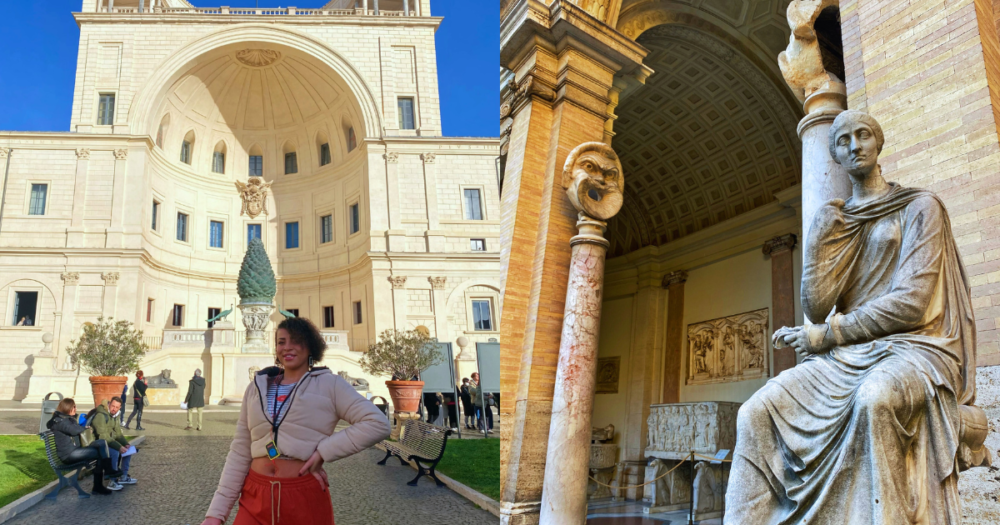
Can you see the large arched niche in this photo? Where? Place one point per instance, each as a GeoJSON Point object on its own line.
{"type": "Point", "coordinates": [302, 52]}
{"type": "Point", "coordinates": [256, 93]}
{"type": "Point", "coordinates": [711, 135]}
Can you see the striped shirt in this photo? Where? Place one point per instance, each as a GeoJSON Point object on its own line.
{"type": "Point", "coordinates": [277, 399]}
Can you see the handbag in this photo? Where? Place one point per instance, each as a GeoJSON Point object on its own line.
{"type": "Point", "coordinates": [145, 401]}
{"type": "Point", "coordinates": [184, 405]}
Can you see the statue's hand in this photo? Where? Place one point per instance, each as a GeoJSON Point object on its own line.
{"type": "Point", "coordinates": [805, 340]}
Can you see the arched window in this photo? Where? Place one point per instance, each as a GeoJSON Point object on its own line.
{"type": "Point", "coordinates": [187, 147]}
{"type": "Point", "coordinates": [323, 146]}
{"type": "Point", "coordinates": [291, 159]}
{"type": "Point", "coordinates": [256, 161]}
{"type": "Point", "coordinates": [219, 158]}
{"type": "Point", "coordinates": [162, 130]}
{"type": "Point", "coordinates": [352, 140]}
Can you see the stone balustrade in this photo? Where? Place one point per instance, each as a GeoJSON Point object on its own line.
{"type": "Point", "coordinates": [185, 337]}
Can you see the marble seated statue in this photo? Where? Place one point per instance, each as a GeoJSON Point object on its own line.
{"type": "Point", "coordinates": [875, 423]}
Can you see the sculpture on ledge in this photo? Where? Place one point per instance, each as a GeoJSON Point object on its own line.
{"type": "Point", "coordinates": [874, 425]}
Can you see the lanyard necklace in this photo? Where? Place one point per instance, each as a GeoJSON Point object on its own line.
{"type": "Point", "coordinates": [273, 420]}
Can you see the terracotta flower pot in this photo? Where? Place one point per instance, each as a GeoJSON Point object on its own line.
{"type": "Point", "coordinates": [106, 387]}
{"type": "Point", "coordinates": [405, 395]}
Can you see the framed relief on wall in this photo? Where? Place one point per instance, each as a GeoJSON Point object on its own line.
{"type": "Point", "coordinates": [733, 348]}
{"type": "Point", "coordinates": [607, 375]}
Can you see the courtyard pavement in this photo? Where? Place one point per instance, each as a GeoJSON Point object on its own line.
{"type": "Point", "coordinates": [179, 470]}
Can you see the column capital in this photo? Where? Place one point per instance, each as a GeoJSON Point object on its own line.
{"type": "Point", "coordinates": [82, 153]}
{"type": "Point", "coordinates": [780, 244]}
{"type": "Point", "coordinates": [4, 152]}
{"type": "Point", "coordinates": [675, 278]}
{"type": "Point", "coordinates": [121, 154]}
{"type": "Point", "coordinates": [438, 283]}
{"type": "Point", "coordinates": [110, 278]}
{"type": "Point", "coordinates": [391, 157]}
{"type": "Point", "coordinates": [71, 278]}
{"type": "Point", "coordinates": [398, 281]}
{"type": "Point", "coordinates": [428, 158]}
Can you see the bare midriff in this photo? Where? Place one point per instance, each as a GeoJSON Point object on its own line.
{"type": "Point", "coordinates": [278, 468]}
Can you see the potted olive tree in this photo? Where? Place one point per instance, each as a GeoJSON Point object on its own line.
{"type": "Point", "coordinates": [108, 350]}
{"type": "Point", "coordinates": [402, 355]}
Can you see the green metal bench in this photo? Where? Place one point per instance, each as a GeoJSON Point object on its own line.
{"type": "Point", "coordinates": [61, 468]}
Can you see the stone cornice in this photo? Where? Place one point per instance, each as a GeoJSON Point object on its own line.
{"type": "Point", "coordinates": [69, 139]}
{"type": "Point", "coordinates": [297, 20]}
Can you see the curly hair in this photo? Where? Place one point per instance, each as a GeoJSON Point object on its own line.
{"type": "Point", "coordinates": [304, 332]}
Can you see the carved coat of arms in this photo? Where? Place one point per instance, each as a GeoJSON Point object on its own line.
{"type": "Point", "coordinates": [254, 195]}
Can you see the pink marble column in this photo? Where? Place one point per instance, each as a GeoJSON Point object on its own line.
{"type": "Point", "coordinates": [594, 183]}
{"type": "Point", "coordinates": [564, 492]}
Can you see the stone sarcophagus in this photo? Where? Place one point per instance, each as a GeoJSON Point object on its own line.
{"type": "Point", "coordinates": [677, 429]}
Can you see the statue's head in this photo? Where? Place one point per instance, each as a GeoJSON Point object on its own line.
{"type": "Point", "coordinates": [855, 142]}
{"type": "Point", "coordinates": [592, 178]}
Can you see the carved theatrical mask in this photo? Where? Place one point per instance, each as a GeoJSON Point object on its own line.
{"type": "Point", "coordinates": [593, 180]}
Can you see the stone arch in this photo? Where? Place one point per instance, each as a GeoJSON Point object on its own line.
{"type": "Point", "coordinates": [155, 88]}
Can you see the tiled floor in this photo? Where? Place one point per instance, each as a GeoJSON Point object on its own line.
{"type": "Point", "coordinates": [608, 512]}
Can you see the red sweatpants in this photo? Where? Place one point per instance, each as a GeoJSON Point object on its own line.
{"type": "Point", "coordinates": [283, 501]}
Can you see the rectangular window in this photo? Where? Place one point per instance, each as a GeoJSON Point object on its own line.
{"type": "Point", "coordinates": [478, 245]}
{"type": "Point", "coordinates": [324, 154]}
{"type": "Point", "coordinates": [357, 312]}
{"type": "Point", "coordinates": [156, 215]}
{"type": "Point", "coordinates": [328, 317]}
{"type": "Point", "coordinates": [212, 312]}
{"type": "Point", "coordinates": [182, 227]}
{"type": "Point", "coordinates": [106, 109]}
{"type": "Point", "coordinates": [326, 228]}
{"type": "Point", "coordinates": [178, 317]}
{"type": "Point", "coordinates": [355, 219]}
{"type": "Point", "coordinates": [256, 166]}
{"type": "Point", "coordinates": [38, 195]}
{"type": "Point", "coordinates": [481, 315]}
{"type": "Point", "coordinates": [291, 163]}
{"type": "Point", "coordinates": [293, 311]}
{"type": "Point", "coordinates": [473, 207]}
{"type": "Point", "coordinates": [405, 106]}
{"type": "Point", "coordinates": [216, 230]}
{"type": "Point", "coordinates": [253, 232]}
{"type": "Point", "coordinates": [149, 310]}
{"type": "Point", "coordinates": [219, 162]}
{"type": "Point", "coordinates": [25, 306]}
{"type": "Point", "coordinates": [291, 235]}
{"type": "Point", "coordinates": [186, 152]}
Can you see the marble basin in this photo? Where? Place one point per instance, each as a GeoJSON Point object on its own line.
{"type": "Point", "coordinates": [603, 455]}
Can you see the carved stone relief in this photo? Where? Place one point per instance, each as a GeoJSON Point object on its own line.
{"type": "Point", "coordinates": [608, 371]}
{"type": "Point", "coordinates": [677, 429]}
{"type": "Point", "coordinates": [728, 349]}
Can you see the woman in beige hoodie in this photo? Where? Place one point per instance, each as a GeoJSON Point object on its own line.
{"type": "Point", "coordinates": [286, 432]}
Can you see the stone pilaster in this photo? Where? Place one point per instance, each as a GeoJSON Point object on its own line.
{"type": "Point", "coordinates": [439, 299]}
{"type": "Point", "coordinates": [64, 331]}
{"type": "Point", "coordinates": [435, 236]}
{"type": "Point", "coordinates": [396, 234]}
{"type": "Point", "coordinates": [673, 357]}
{"type": "Point", "coordinates": [563, 68]}
{"type": "Point", "coordinates": [399, 300]}
{"type": "Point", "coordinates": [782, 294]}
{"type": "Point", "coordinates": [645, 362]}
{"type": "Point", "coordinates": [116, 232]}
{"type": "Point", "coordinates": [74, 233]}
{"type": "Point", "coordinates": [110, 293]}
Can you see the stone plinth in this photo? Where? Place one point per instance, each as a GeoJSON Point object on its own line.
{"type": "Point", "coordinates": [677, 429]}
{"type": "Point", "coordinates": [256, 317]}
{"type": "Point", "coordinates": [603, 459]}
{"type": "Point", "coordinates": [164, 396]}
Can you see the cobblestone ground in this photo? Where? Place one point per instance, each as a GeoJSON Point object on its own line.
{"type": "Point", "coordinates": [178, 472]}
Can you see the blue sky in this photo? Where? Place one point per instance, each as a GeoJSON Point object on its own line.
{"type": "Point", "coordinates": [40, 41]}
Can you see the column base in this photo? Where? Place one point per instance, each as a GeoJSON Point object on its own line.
{"type": "Point", "coordinates": [521, 513]}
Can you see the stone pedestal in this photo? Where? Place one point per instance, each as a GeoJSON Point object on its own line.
{"type": "Point", "coordinates": [603, 459]}
{"type": "Point", "coordinates": [400, 417]}
{"type": "Point", "coordinates": [256, 317]}
{"type": "Point", "coordinates": [164, 396]}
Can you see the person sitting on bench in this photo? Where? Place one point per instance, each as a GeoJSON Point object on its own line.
{"type": "Point", "coordinates": [67, 437]}
{"type": "Point", "coordinates": [106, 426]}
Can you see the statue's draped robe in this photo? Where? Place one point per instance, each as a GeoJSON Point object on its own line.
{"type": "Point", "coordinates": [867, 432]}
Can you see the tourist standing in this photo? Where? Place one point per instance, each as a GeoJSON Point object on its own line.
{"type": "Point", "coordinates": [138, 400]}
{"type": "Point", "coordinates": [121, 413]}
{"type": "Point", "coordinates": [195, 399]}
{"type": "Point", "coordinates": [477, 402]}
{"type": "Point", "coordinates": [432, 405]}
{"type": "Point", "coordinates": [467, 407]}
{"type": "Point", "coordinates": [276, 469]}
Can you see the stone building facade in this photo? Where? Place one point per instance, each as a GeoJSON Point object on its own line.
{"type": "Point", "coordinates": [373, 219]}
{"type": "Point", "coordinates": [717, 148]}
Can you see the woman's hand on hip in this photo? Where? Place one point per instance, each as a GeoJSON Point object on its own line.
{"type": "Point", "coordinates": [314, 466]}
{"type": "Point", "coordinates": [212, 521]}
